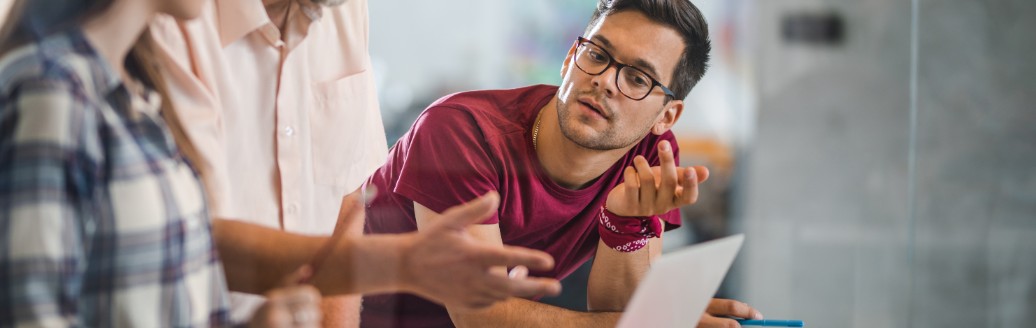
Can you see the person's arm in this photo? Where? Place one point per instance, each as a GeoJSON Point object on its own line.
{"type": "Point", "coordinates": [255, 258]}
{"type": "Point", "coordinates": [614, 275]}
{"type": "Point", "coordinates": [514, 312]}
{"type": "Point", "coordinates": [41, 212]}
{"type": "Point", "coordinates": [519, 313]}
{"type": "Point", "coordinates": [647, 192]}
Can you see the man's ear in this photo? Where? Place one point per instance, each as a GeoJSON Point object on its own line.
{"type": "Point", "coordinates": [668, 117]}
{"type": "Point", "coordinates": [568, 58]}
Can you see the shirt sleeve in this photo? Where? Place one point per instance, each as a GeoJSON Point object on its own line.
{"type": "Point", "coordinates": [447, 161]}
{"type": "Point", "coordinates": [41, 249]}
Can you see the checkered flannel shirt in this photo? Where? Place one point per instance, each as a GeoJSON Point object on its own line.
{"type": "Point", "coordinates": [102, 223]}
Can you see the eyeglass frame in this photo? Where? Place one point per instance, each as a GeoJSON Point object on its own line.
{"type": "Point", "coordinates": [581, 41]}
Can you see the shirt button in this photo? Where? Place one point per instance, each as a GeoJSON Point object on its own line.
{"type": "Point", "coordinates": [292, 208]}
{"type": "Point", "coordinates": [289, 131]}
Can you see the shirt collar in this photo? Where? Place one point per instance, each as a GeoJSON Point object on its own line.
{"type": "Point", "coordinates": [237, 18]}
{"type": "Point", "coordinates": [105, 78]}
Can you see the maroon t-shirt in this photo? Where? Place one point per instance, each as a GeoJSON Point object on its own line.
{"type": "Point", "coordinates": [467, 144]}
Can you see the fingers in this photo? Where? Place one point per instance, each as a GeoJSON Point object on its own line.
{"type": "Point", "coordinates": [702, 172]}
{"type": "Point", "coordinates": [647, 182]}
{"type": "Point", "coordinates": [524, 286]}
{"type": "Point", "coordinates": [291, 304]}
{"type": "Point", "coordinates": [368, 192]}
{"type": "Point", "coordinates": [732, 308]}
{"type": "Point", "coordinates": [290, 307]}
{"type": "Point", "coordinates": [667, 171]}
{"type": "Point", "coordinates": [482, 291]}
{"type": "Point", "coordinates": [631, 187]}
{"type": "Point", "coordinates": [518, 272]}
{"type": "Point", "coordinates": [708, 321]}
{"type": "Point", "coordinates": [295, 296]}
{"type": "Point", "coordinates": [514, 256]}
{"type": "Point", "coordinates": [461, 216]}
{"type": "Point", "coordinates": [689, 191]}
{"type": "Point", "coordinates": [290, 286]}
{"type": "Point", "coordinates": [301, 275]}
{"type": "Point", "coordinates": [534, 286]}
{"type": "Point", "coordinates": [497, 288]}
{"type": "Point", "coordinates": [350, 215]}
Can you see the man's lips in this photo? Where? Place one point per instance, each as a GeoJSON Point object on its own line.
{"type": "Point", "coordinates": [594, 106]}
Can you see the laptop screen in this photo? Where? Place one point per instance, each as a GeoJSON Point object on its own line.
{"type": "Point", "coordinates": [680, 285]}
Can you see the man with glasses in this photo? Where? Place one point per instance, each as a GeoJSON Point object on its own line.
{"type": "Point", "coordinates": [585, 169]}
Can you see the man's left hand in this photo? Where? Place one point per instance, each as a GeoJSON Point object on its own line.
{"type": "Point", "coordinates": [648, 191]}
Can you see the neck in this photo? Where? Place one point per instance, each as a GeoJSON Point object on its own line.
{"type": "Point", "coordinates": [113, 32]}
{"type": "Point", "coordinates": [278, 10]}
{"type": "Point", "coordinates": [570, 165]}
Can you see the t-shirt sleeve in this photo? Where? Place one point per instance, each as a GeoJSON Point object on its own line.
{"type": "Point", "coordinates": [447, 161]}
{"type": "Point", "coordinates": [672, 218]}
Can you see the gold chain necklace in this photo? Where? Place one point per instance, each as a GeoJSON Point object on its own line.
{"type": "Point", "coordinates": [536, 131]}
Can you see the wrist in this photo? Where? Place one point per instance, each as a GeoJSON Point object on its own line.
{"type": "Point", "coordinates": [618, 209]}
{"type": "Point", "coordinates": [376, 263]}
{"type": "Point", "coordinates": [404, 277]}
{"type": "Point", "coordinates": [627, 233]}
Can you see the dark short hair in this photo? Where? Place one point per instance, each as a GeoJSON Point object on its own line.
{"type": "Point", "coordinates": [680, 15]}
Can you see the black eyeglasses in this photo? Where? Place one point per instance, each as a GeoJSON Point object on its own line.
{"type": "Point", "coordinates": [631, 81]}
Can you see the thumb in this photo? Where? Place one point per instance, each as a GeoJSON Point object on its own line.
{"type": "Point", "coordinates": [518, 272]}
{"type": "Point", "coordinates": [299, 276]}
{"type": "Point", "coordinates": [461, 216]}
{"type": "Point", "coordinates": [351, 213]}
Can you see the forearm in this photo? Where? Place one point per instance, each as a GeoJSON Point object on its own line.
{"type": "Point", "coordinates": [517, 312]}
{"type": "Point", "coordinates": [256, 259]}
{"type": "Point", "coordinates": [365, 265]}
{"type": "Point", "coordinates": [340, 311]}
{"type": "Point", "coordinates": [614, 275]}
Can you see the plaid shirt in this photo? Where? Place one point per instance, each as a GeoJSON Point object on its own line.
{"type": "Point", "coordinates": [102, 223]}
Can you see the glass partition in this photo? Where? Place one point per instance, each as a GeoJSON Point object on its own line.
{"type": "Point", "coordinates": [879, 155]}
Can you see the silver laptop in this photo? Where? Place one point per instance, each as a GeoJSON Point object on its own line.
{"type": "Point", "coordinates": [680, 285]}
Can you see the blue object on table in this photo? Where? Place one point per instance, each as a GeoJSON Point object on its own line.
{"type": "Point", "coordinates": [771, 323]}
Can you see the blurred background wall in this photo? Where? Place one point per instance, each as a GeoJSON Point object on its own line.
{"type": "Point", "coordinates": [880, 155]}
{"type": "Point", "coordinates": [892, 178]}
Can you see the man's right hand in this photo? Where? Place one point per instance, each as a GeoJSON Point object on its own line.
{"type": "Point", "coordinates": [445, 264]}
{"type": "Point", "coordinates": [291, 305]}
{"type": "Point", "coordinates": [720, 311]}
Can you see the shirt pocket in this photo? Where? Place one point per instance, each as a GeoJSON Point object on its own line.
{"type": "Point", "coordinates": [348, 139]}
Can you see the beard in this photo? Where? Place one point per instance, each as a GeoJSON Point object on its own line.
{"type": "Point", "coordinates": [613, 137]}
{"type": "Point", "coordinates": [329, 3]}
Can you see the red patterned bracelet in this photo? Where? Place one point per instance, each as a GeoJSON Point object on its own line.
{"type": "Point", "coordinates": [627, 233]}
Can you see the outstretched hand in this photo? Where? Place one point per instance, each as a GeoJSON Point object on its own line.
{"type": "Point", "coordinates": [448, 265]}
{"type": "Point", "coordinates": [648, 190]}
